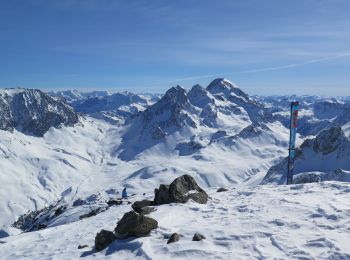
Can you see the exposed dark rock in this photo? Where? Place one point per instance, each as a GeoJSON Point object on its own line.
{"type": "Point", "coordinates": [59, 211]}
{"type": "Point", "coordinates": [180, 190]}
{"type": "Point", "coordinates": [103, 239]}
{"type": "Point", "coordinates": [138, 206]}
{"type": "Point", "coordinates": [79, 202]}
{"type": "Point", "coordinates": [198, 237]}
{"type": "Point", "coordinates": [135, 225]}
{"type": "Point", "coordinates": [173, 238]}
{"type": "Point", "coordinates": [113, 202]}
{"type": "Point", "coordinates": [92, 213]}
{"type": "Point", "coordinates": [147, 210]}
{"type": "Point", "coordinates": [34, 112]}
{"type": "Point", "coordinates": [222, 190]}
{"type": "Point", "coordinates": [41, 226]}
{"type": "Point", "coordinates": [307, 178]}
{"type": "Point", "coordinates": [82, 246]}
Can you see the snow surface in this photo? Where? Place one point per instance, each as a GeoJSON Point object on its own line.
{"type": "Point", "coordinates": [308, 221]}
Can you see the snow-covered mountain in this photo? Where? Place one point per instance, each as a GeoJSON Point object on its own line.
{"type": "Point", "coordinates": [34, 112]}
{"type": "Point", "coordinates": [51, 157]}
{"type": "Point", "coordinates": [76, 95]}
{"type": "Point", "coordinates": [114, 108]}
{"type": "Point", "coordinates": [329, 152]}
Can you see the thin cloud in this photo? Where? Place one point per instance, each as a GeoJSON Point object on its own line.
{"type": "Point", "coordinates": [289, 66]}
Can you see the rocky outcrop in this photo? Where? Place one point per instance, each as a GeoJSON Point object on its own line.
{"type": "Point", "coordinates": [103, 239]}
{"type": "Point", "coordinates": [143, 207]}
{"type": "Point", "coordinates": [326, 153]}
{"type": "Point", "coordinates": [135, 225]}
{"type": "Point", "coordinates": [198, 237]}
{"type": "Point", "coordinates": [181, 190]}
{"type": "Point", "coordinates": [173, 238]}
{"type": "Point", "coordinates": [31, 111]}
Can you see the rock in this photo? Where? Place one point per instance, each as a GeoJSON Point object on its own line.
{"type": "Point", "coordinates": [222, 190]}
{"type": "Point", "coordinates": [92, 213]}
{"type": "Point", "coordinates": [79, 202]}
{"type": "Point", "coordinates": [113, 202]}
{"type": "Point", "coordinates": [135, 225]}
{"type": "Point", "coordinates": [180, 190]}
{"type": "Point", "coordinates": [103, 239]}
{"type": "Point", "coordinates": [173, 238]}
{"type": "Point", "coordinates": [82, 246]}
{"type": "Point", "coordinates": [59, 211]}
{"type": "Point", "coordinates": [41, 226]}
{"type": "Point", "coordinates": [138, 205]}
{"type": "Point", "coordinates": [33, 112]}
{"type": "Point", "coordinates": [147, 210]}
{"type": "Point", "coordinates": [198, 237]}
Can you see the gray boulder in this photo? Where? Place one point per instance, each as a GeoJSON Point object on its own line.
{"type": "Point", "coordinates": [222, 190]}
{"type": "Point", "coordinates": [143, 206]}
{"type": "Point", "coordinates": [180, 190]}
{"type": "Point", "coordinates": [103, 239]}
{"type": "Point", "coordinates": [173, 238]}
{"type": "Point", "coordinates": [198, 237]}
{"type": "Point", "coordinates": [135, 225]}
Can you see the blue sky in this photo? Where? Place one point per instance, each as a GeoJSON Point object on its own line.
{"type": "Point", "coordinates": [264, 46]}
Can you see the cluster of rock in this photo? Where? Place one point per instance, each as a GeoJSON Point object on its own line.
{"type": "Point", "coordinates": [136, 224]}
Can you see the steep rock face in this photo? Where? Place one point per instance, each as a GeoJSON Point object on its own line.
{"type": "Point", "coordinates": [225, 90]}
{"type": "Point", "coordinates": [328, 109]}
{"type": "Point", "coordinates": [199, 97]}
{"type": "Point", "coordinates": [171, 113]}
{"type": "Point", "coordinates": [329, 151]}
{"type": "Point", "coordinates": [34, 112]}
{"type": "Point", "coordinates": [179, 115]}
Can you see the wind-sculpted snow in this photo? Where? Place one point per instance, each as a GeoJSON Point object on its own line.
{"type": "Point", "coordinates": [307, 221]}
{"type": "Point", "coordinates": [34, 112]}
{"type": "Point", "coordinates": [328, 152]}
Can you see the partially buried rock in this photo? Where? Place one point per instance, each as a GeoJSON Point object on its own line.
{"type": "Point", "coordinates": [198, 237]}
{"type": "Point", "coordinates": [135, 225]}
{"type": "Point", "coordinates": [139, 205]}
{"type": "Point", "coordinates": [103, 239]}
{"type": "Point", "coordinates": [147, 210]}
{"type": "Point", "coordinates": [82, 246]}
{"type": "Point", "coordinates": [180, 190]}
{"type": "Point", "coordinates": [113, 202]}
{"type": "Point", "coordinates": [222, 190]}
{"type": "Point", "coordinates": [173, 238]}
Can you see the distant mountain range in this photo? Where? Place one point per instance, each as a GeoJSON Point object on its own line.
{"type": "Point", "coordinates": [61, 145]}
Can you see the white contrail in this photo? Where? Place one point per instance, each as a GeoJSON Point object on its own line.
{"type": "Point", "coordinates": [293, 65]}
{"type": "Point", "coordinates": [296, 64]}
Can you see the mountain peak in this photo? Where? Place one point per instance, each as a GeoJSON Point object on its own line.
{"type": "Point", "coordinates": [221, 84]}
{"type": "Point", "coordinates": [175, 95]}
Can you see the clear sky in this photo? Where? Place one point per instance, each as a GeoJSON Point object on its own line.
{"type": "Point", "coordinates": [265, 46]}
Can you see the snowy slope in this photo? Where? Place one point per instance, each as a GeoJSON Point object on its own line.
{"type": "Point", "coordinates": [35, 171]}
{"type": "Point", "coordinates": [267, 222]}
